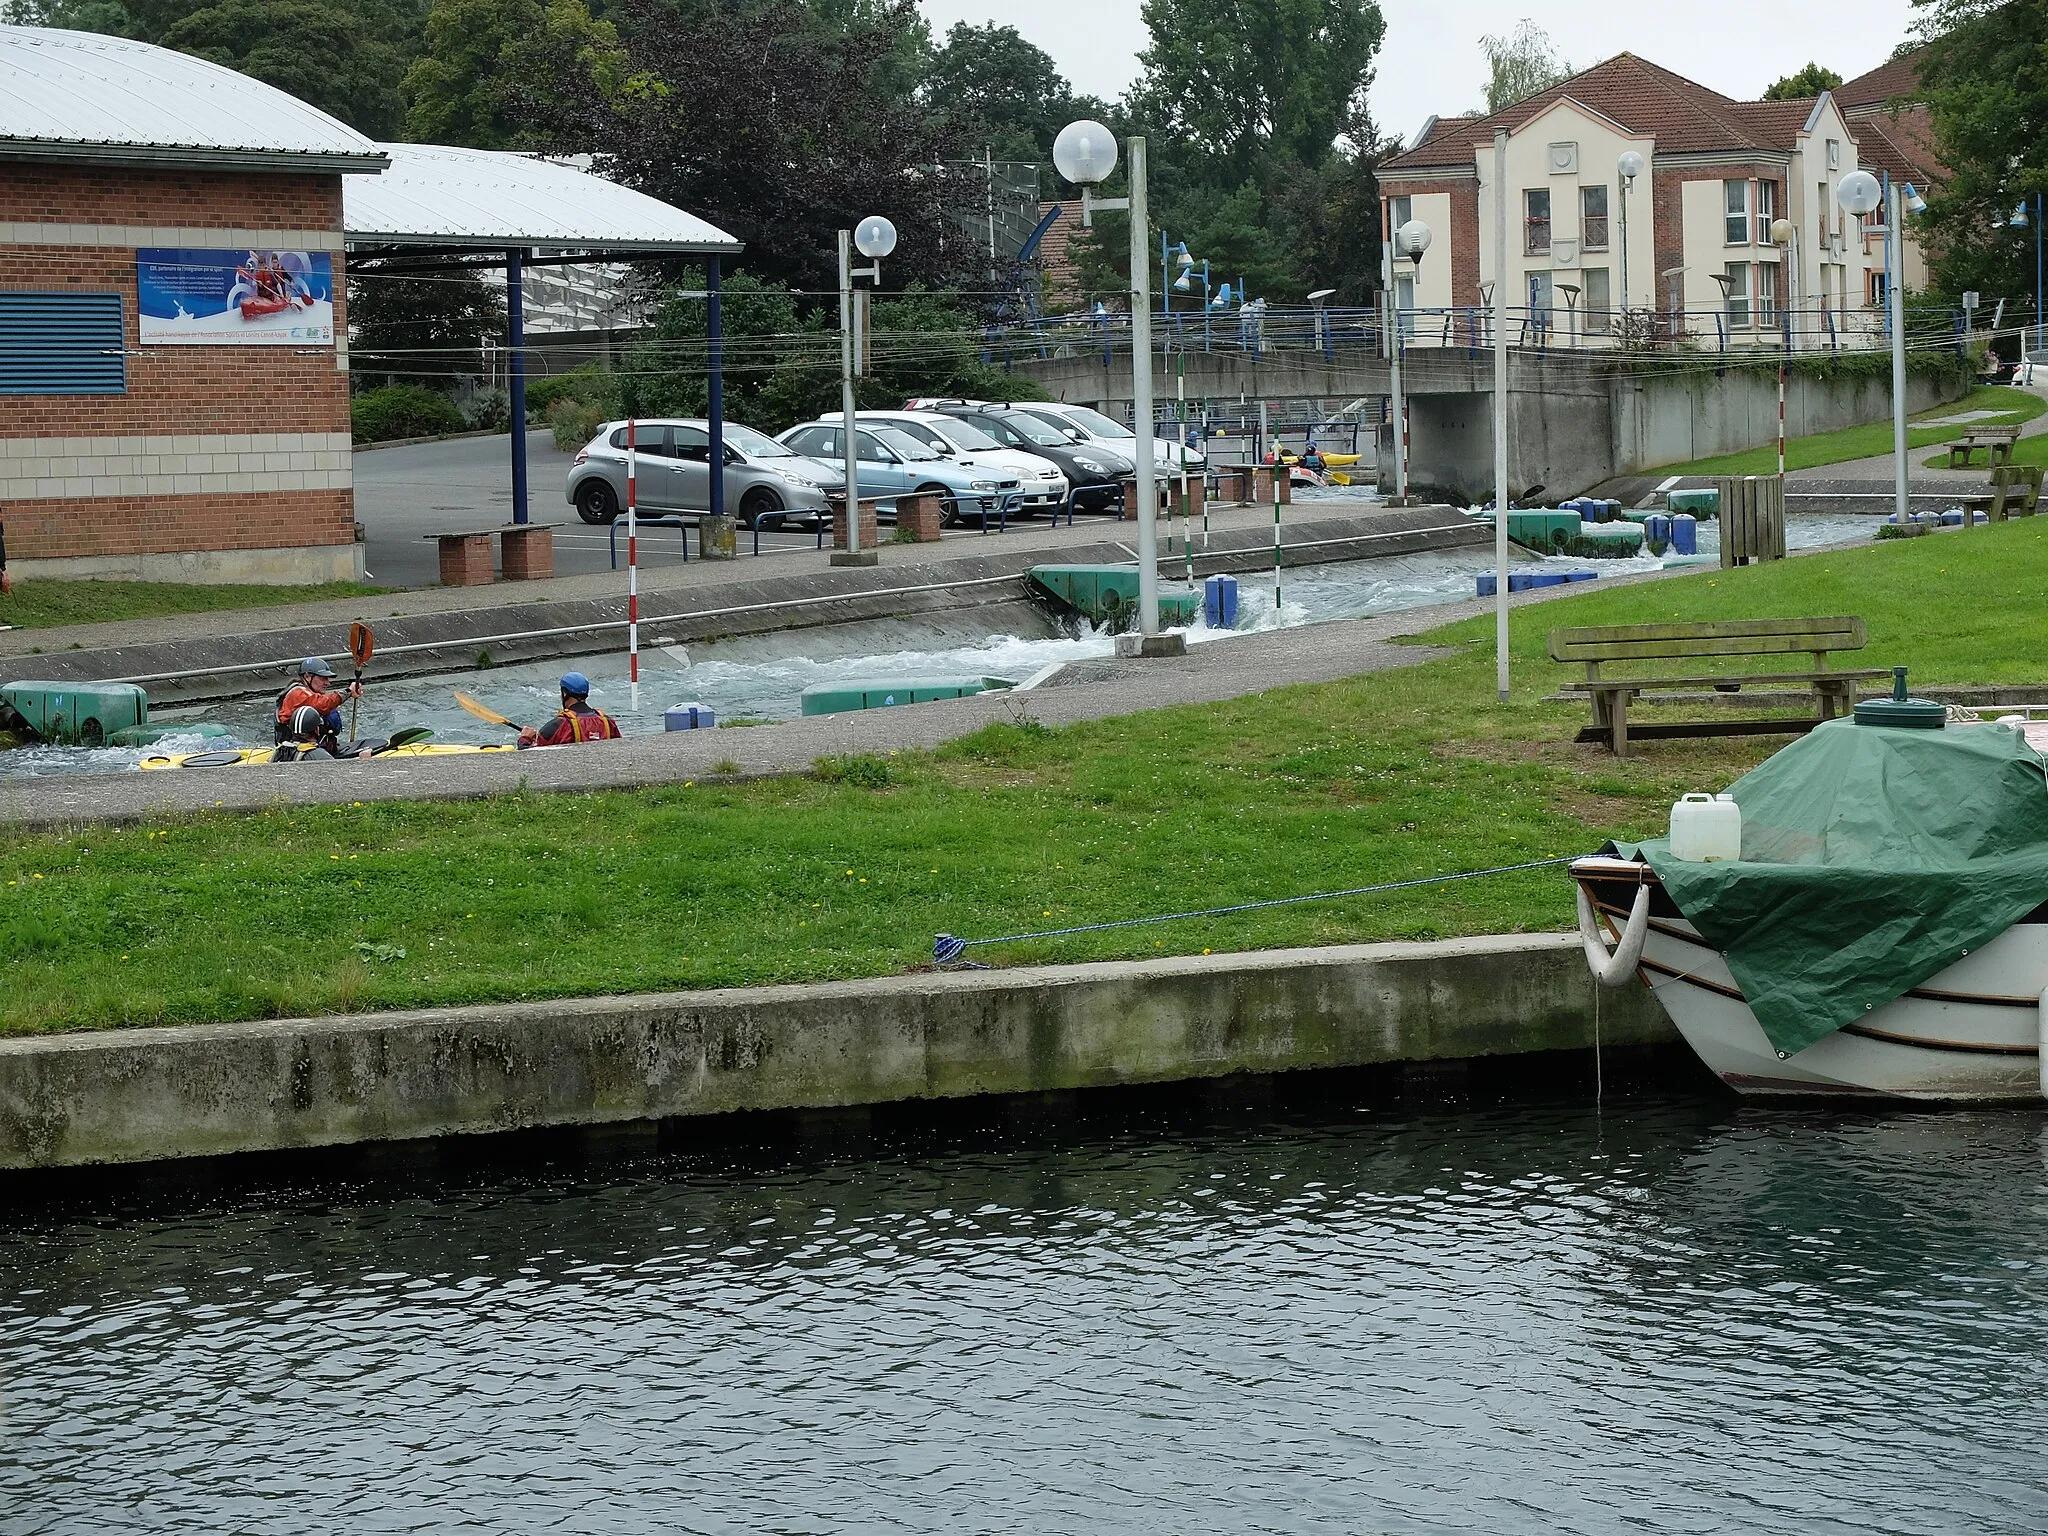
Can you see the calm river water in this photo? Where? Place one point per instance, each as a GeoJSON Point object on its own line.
{"type": "Point", "coordinates": [1679, 1316]}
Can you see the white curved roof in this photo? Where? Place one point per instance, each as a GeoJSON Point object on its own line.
{"type": "Point", "coordinates": [81, 96]}
{"type": "Point", "coordinates": [438, 195]}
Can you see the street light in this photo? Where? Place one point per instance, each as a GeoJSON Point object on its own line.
{"type": "Point", "coordinates": [874, 237]}
{"type": "Point", "coordinates": [1860, 193]}
{"type": "Point", "coordinates": [1785, 234]}
{"type": "Point", "coordinates": [1630, 166]}
{"type": "Point", "coordinates": [1167, 255]}
{"type": "Point", "coordinates": [2019, 221]}
{"type": "Point", "coordinates": [1410, 240]}
{"type": "Point", "coordinates": [1085, 154]}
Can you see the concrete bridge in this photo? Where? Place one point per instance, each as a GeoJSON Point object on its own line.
{"type": "Point", "coordinates": [1574, 419]}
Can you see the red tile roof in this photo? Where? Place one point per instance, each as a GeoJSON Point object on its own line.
{"type": "Point", "coordinates": [1894, 80]}
{"type": "Point", "coordinates": [1062, 284]}
{"type": "Point", "coordinates": [1901, 143]}
{"type": "Point", "coordinates": [1642, 97]}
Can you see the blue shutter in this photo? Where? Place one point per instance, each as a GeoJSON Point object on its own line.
{"type": "Point", "coordinates": [62, 344]}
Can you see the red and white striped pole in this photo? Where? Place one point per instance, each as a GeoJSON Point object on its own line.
{"type": "Point", "coordinates": [1781, 422]}
{"type": "Point", "coordinates": [632, 552]}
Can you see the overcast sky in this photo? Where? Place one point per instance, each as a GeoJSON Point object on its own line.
{"type": "Point", "coordinates": [1431, 60]}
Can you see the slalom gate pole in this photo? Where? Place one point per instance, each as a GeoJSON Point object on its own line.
{"type": "Point", "coordinates": [1180, 432]}
{"type": "Point", "coordinates": [1205, 477]}
{"type": "Point", "coordinates": [633, 552]}
{"type": "Point", "coordinates": [1278, 470]}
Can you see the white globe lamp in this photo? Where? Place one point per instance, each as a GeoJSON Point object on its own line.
{"type": "Point", "coordinates": [874, 237]}
{"type": "Point", "coordinates": [1859, 193]}
{"type": "Point", "coordinates": [1085, 152]}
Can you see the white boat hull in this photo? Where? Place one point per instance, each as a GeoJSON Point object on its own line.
{"type": "Point", "coordinates": [1969, 1034]}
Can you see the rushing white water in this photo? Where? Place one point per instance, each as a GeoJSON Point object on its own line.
{"type": "Point", "coordinates": [763, 677]}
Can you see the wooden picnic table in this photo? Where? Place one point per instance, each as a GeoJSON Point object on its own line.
{"type": "Point", "coordinates": [1996, 441]}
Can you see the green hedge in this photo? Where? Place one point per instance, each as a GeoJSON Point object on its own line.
{"type": "Point", "coordinates": [402, 410]}
{"type": "Point", "coordinates": [574, 423]}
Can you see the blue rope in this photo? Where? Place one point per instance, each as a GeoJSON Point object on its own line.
{"type": "Point", "coordinates": [947, 948]}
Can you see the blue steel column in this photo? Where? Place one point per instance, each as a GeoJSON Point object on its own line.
{"type": "Point", "coordinates": [515, 306]}
{"type": "Point", "coordinates": [714, 325]}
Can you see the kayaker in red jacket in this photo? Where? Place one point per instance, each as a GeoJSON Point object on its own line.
{"type": "Point", "coordinates": [308, 693]}
{"type": "Point", "coordinates": [578, 721]}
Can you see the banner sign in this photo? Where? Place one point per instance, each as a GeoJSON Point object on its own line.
{"type": "Point", "coordinates": [235, 298]}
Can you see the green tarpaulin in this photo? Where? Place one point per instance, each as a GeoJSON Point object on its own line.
{"type": "Point", "coordinates": [1871, 859]}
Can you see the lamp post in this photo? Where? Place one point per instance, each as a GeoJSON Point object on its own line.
{"type": "Point", "coordinates": [1630, 166]}
{"type": "Point", "coordinates": [2020, 220]}
{"type": "Point", "coordinates": [1085, 154]}
{"type": "Point", "coordinates": [1166, 255]}
{"type": "Point", "coordinates": [1189, 271]}
{"type": "Point", "coordinates": [1410, 240]}
{"type": "Point", "coordinates": [1783, 232]}
{"type": "Point", "coordinates": [1859, 193]}
{"type": "Point", "coordinates": [875, 238]}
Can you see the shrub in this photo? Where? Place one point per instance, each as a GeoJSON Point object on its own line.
{"type": "Point", "coordinates": [590, 384]}
{"type": "Point", "coordinates": [861, 770]}
{"type": "Point", "coordinates": [401, 410]}
{"type": "Point", "coordinates": [574, 424]}
{"type": "Point", "coordinates": [489, 410]}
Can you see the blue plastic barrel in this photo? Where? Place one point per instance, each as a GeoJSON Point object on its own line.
{"type": "Point", "coordinates": [688, 717]}
{"type": "Point", "coordinates": [1219, 602]}
{"type": "Point", "coordinates": [1685, 534]}
{"type": "Point", "coordinates": [1657, 531]}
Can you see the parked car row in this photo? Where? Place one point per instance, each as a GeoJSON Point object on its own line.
{"type": "Point", "coordinates": [976, 454]}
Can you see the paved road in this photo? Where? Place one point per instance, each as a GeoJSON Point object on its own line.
{"type": "Point", "coordinates": [406, 495]}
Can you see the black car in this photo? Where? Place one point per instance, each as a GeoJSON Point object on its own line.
{"type": "Point", "coordinates": [1093, 472]}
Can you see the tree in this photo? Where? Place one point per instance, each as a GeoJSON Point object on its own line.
{"type": "Point", "coordinates": [1986, 90]}
{"type": "Point", "coordinates": [454, 90]}
{"type": "Point", "coordinates": [1522, 64]}
{"type": "Point", "coordinates": [1810, 81]}
{"type": "Point", "coordinates": [1007, 92]}
{"type": "Point", "coordinates": [327, 52]}
{"type": "Point", "coordinates": [805, 149]}
{"type": "Point", "coordinates": [1236, 90]}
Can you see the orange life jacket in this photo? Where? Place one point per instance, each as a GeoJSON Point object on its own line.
{"type": "Point", "coordinates": [589, 725]}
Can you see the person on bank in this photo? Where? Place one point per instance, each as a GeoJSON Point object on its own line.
{"type": "Point", "coordinates": [578, 720]}
{"type": "Point", "coordinates": [309, 712]}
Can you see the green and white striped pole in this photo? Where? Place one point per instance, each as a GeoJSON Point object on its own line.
{"type": "Point", "coordinates": [1180, 424]}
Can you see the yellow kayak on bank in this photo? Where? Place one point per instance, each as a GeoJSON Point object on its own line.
{"type": "Point", "coordinates": [250, 757]}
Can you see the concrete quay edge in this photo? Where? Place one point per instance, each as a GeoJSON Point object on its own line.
{"type": "Point", "coordinates": [170, 1093]}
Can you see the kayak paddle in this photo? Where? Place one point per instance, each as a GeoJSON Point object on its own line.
{"type": "Point", "coordinates": [361, 644]}
{"type": "Point", "coordinates": [485, 714]}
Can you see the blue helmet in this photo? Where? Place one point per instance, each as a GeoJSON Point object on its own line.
{"type": "Point", "coordinates": [576, 685]}
{"type": "Point", "coordinates": [315, 666]}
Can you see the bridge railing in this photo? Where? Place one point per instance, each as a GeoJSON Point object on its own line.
{"type": "Point", "coordinates": [1257, 330]}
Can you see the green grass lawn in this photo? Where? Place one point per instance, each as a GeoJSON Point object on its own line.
{"type": "Point", "coordinates": [852, 872]}
{"type": "Point", "coordinates": [48, 604]}
{"type": "Point", "coordinates": [2028, 450]}
{"type": "Point", "coordinates": [1862, 442]}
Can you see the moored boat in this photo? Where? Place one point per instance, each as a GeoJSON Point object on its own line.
{"type": "Point", "coordinates": [1879, 927]}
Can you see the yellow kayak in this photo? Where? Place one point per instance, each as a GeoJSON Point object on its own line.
{"type": "Point", "coordinates": [247, 757]}
{"type": "Point", "coordinates": [1341, 460]}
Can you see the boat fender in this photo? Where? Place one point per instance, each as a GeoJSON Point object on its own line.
{"type": "Point", "coordinates": [2042, 1042]}
{"type": "Point", "coordinates": [1614, 970]}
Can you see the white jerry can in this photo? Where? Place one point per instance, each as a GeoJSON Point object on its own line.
{"type": "Point", "coordinates": [1706, 829]}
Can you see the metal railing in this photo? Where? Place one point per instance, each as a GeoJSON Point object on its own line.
{"type": "Point", "coordinates": [1355, 331]}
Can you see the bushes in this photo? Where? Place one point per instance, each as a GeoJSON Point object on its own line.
{"type": "Point", "coordinates": [574, 424]}
{"type": "Point", "coordinates": [590, 384]}
{"type": "Point", "coordinates": [402, 410]}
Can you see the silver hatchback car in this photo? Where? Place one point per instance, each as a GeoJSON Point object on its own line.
{"type": "Point", "coordinates": [766, 484]}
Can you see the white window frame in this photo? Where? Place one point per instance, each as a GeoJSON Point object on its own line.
{"type": "Point", "coordinates": [1766, 210]}
{"type": "Point", "coordinates": [1767, 293]}
{"type": "Point", "coordinates": [1599, 313]}
{"type": "Point", "coordinates": [1736, 202]}
{"type": "Point", "coordinates": [1741, 309]}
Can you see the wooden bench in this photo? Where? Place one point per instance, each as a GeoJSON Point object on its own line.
{"type": "Point", "coordinates": [1995, 441]}
{"type": "Point", "coordinates": [1622, 644]}
{"type": "Point", "coordinates": [2015, 491]}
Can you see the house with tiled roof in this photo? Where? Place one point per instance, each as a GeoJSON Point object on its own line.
{"type": "Point", "coordinates": [1686, 245]}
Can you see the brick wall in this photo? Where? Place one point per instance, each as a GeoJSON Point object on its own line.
{"type": "Point", "coordinates": [1464, 231]}
{"type": "Point", "coordinates": [280, 397]}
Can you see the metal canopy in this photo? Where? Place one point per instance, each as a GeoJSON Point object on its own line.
{"type": "Point", "coordinates": [80, 97]}
{"type": "Point", "coordinates": [449, 199]}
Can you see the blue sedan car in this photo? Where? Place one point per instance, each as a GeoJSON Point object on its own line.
{"type": "Point", "coordinates": [892, 463]}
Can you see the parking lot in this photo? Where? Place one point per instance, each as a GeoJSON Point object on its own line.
{"type": "Point", "coordinates": [405, 496]}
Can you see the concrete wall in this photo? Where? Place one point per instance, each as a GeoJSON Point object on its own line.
{"type": "Point", "coordinates": [121, 1096]}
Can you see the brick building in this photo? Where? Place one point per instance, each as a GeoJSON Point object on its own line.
{"type": "Point", "coordinates": [173, 362]}
{"type": "Point", "coordinates": [1696, 224]}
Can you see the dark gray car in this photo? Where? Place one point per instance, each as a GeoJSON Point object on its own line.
{"type": "Point", "coordinates": [765, 483]}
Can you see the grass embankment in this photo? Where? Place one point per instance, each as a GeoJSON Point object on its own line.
{"type": "Point", "coordinates": [2028, 450]}
{"type": "Point", "coordinates": [2010, 405]}
{"type": "Point", "coordinates": [1307, 788]}
{"type": "Point", "coordinates": [49, 604]}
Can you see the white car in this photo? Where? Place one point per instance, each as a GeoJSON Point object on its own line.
{"type": "Point", "coordinates": [1082, 425]}
{"type": "Point", "coordinates": [1044, 488]}
{"type": "Point", "coordinates": [2032, 371]}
